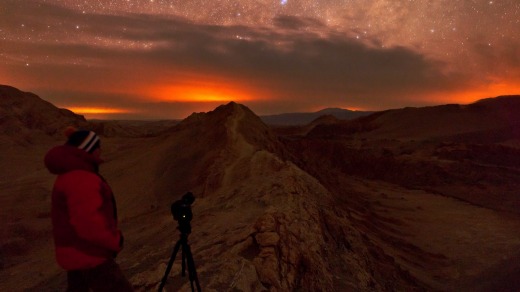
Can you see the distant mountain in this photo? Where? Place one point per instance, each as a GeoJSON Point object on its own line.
{"type": "Point", "coordinates": [131, 128]}
{"type": "Point", "coordinates": [489, 120]}
{"type": "Point", "coordinates": [292, 119]}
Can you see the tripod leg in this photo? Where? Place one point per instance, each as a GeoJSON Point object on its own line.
{"type": "Point", "coordinates": [192, 272]}
{"type": "Point", "coordinates": [183, 261]}
{"type": "Point", "coordinates": [170, 264]}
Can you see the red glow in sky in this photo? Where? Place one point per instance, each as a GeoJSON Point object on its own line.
{"type": "Point", "coordinates": [164, 59]}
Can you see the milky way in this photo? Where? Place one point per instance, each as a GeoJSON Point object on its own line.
{"type": "Point", "coordinates": [168, 58]}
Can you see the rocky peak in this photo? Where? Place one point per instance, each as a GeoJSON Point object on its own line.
{"type": "Point", "coordinates": [215, 144]}
{"type": "Point", "coordinates": [234, 120]}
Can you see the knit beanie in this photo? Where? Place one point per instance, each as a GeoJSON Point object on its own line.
{"type": "Point", "coordinates": [82, 139]}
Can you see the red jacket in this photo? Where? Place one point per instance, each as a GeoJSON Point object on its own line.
{"type": "Point", "coordinates": [84, 216]}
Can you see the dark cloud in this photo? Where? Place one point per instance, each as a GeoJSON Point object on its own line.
{"type": "Point", "coordinates": [102, 58]}
{"type": "Point", "coordinates": [297, 23]}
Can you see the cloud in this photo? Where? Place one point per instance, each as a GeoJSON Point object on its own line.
{"type": "Point", "coordinates": [120, 56]}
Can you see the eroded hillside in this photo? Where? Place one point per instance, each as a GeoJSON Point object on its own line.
{"type": "Point", "coordinates": [327, 211]}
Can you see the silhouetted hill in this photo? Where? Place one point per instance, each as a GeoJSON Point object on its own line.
{"type": "Point", "coordinates": [291, 119]}
{"type": "Point", "coordinates": [21, 113]}
{"type": "Point", "coordinates": [490, 120]}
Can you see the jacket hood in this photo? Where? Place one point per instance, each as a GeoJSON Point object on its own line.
{"type": "Point", "coordinates": [64, 158]}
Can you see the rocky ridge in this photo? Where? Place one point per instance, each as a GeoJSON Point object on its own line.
{"type": "Point", "coordinates": [283, 233]}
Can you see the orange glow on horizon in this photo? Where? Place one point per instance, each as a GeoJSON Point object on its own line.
{"type": "Point", "coordinates": [200, 93]}
{"type": "Point", "coordinates": [477, 93]}
{"type": "Point", "coordinates": [97, 110]}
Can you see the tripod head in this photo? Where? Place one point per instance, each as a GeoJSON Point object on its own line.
{"type": "Point", "coordinates": [181, 211]}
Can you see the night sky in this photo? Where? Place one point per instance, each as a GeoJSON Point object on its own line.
{"type": "Point", "coordinates": [161, 59]}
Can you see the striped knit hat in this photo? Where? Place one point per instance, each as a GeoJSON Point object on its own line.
{"type": "Point", "coordinates": [83, 139]}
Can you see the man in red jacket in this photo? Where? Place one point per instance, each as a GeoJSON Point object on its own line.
{"type": "Point", "coordinates": [84, 216]}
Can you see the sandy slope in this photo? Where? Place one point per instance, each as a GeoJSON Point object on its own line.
{"type": "Point", "coordinates": [439, 239]}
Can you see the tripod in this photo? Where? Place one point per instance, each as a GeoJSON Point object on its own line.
{"type": "Point", "coordinates": [185, 230]}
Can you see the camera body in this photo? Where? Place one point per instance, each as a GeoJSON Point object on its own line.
{"type": "Point", "coordinates": [181, 211]}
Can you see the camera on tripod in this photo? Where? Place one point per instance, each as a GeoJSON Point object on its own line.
{"type": "Point", "coordinates": [181, 211]}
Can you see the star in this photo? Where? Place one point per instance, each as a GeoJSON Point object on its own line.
{"type": "Point", "coordinates": [261, 43]}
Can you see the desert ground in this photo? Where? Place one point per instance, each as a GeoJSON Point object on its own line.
{"type": "Point", "coordinates": [362, 205]}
